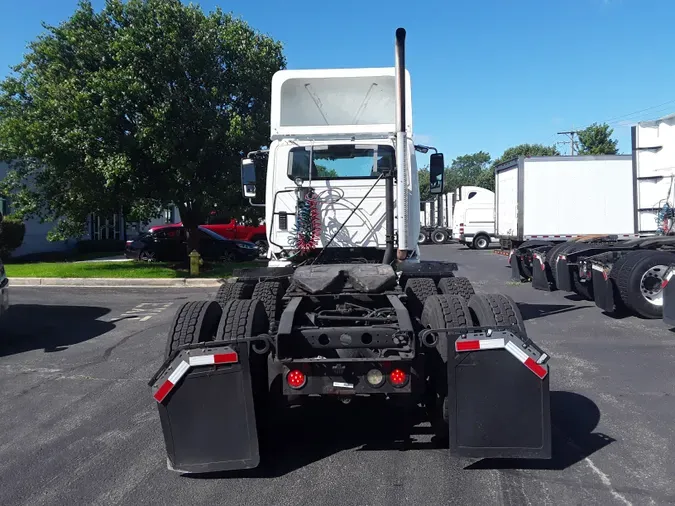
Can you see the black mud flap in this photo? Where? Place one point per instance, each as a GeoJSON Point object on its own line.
{"type": "Point", "coordinates": [669, 298]}
{"type": "Point", "coordinates": [516, 269]}
{"type": "Point", "coordinates": [541, 273]}
{"type": "Point", "coordinates": [564, 275]}
{"type": "Point", "coordinates": [206, 409]}
{"type": "Point", "coordinates": [498, 397]}
{"type": "Point", "coordinates": [603, 288]}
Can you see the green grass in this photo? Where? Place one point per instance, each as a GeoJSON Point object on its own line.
{"type": "Point", "coordinates": [117, 270]}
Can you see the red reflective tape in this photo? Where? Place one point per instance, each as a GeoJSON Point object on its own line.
{"type": "Point", "coordinates": [226, 358]}
{"type": "Point", "coordinates": [163, 391]}
{"type": "Point", "coordinates": [467, 345]}
{"type": "Point", "coordinates": [535, 368]}
{"type": "Point", "coordinates": [664, 283]}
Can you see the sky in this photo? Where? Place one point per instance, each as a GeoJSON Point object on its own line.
{"type": "Point", "coordinates": [486, 74]}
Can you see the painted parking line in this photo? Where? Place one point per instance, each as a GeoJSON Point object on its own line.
{"type": "Point", "coordinates": [145, 310]}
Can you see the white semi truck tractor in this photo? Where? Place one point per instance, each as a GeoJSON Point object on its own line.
{"type": "Point", "coordinates": [346, 309]}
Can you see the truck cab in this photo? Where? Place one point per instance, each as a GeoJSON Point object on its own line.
{"type": "Point", "coordinates": [333, 143]}
{"type": "Point", "coordinates": [474, 217]}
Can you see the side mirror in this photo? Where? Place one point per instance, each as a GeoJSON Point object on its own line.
{"type": "Point", "coordinates": [248, 178]}
{"type": "Point", "coordinates": [436, 173]}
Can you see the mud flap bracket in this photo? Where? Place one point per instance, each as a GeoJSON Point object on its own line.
{"type": "Point", "coordinates": [206, 409]}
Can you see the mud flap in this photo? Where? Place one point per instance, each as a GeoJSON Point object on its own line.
{"type": "Point", "coordinates": [669, 299]}
{"type": "Point", "coordinates": [206, 410]}
{"type": "Point", "coordinates": [516, 270]}
{"type": "Point", "coordinates": [564, 275]}
{"type": "Point", "coordinates": [541, 274]}
{"type": "Point", "coordinates": [498, 396]}
{"type": "Point", "coordinates": [603, 289]}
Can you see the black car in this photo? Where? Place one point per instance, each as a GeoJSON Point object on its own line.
{"type": "Point", "coordinates": [169, 243]}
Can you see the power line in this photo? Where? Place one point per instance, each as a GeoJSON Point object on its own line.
{"type": "Point", "coordinates": [638, 112]}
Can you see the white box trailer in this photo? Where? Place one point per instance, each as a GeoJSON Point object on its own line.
{"type": "Point", "coordinates": [548, 198]}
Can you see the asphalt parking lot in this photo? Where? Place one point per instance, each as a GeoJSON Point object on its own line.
{"type": "Point", "coordinates": [78, 424]}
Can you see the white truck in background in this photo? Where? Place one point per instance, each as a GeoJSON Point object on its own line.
{"type": "Point", "coordinates": [436, 217]}
{"type": "Point", "coordinates": [474, 217]}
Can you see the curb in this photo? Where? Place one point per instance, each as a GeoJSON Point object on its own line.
{"type": "Point", "coordinates": [119, 282]}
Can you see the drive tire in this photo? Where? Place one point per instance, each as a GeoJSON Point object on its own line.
{"type": "Point", "coordinates": [234, 291]}
{"type": "Point", "coordinates": [490, 310]}
{"type": "Point", "coordinates": [632, 278]}
{"type": "Point", "coordinates": [242, 319]}
{"type": "Point", "coordinates": [552, 259]}
{"type": "Point", "coordinates": [422, 238]}
{"type": "Point", "coordinates": [439, 236]}
{"type": "Point", "coordinates": [456, 286]}
{"type": "Point", "coordinates": [442, 311]}
{"type": "Point", "coordinates": [194, 322]}
{"type": "Point", "coordinates": [270, 293]}
{"type": "Point", "coordinates": [481, 242]}
{"type": "Point", "coordinates": [417, 290]}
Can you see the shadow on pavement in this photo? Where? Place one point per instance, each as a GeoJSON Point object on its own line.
{"type": "Point", "coordinates": [532, 311]}
{"type": "Point", "coordinates": [308, 434]}
{"type": "Point", "coordinates": [574, 418]}
{"type": "Point", "coordinates": [52, 328]}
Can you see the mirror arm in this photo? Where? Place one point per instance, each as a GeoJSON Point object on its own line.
{"type": "Point", "coordinates": [254, 204]}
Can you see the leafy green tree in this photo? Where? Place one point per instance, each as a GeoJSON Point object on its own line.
{"type": "Point", "coordinates": [12, 233]}
{"type": "Point", "coordinates": [526, 150]}
{"type": "Point", "coordinates": [597, 140]}
{"type": "Point", "coordinates": [143, 104]}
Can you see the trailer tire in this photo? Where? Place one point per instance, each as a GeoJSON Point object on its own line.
{"type": "Point", "coordinates": [639, 281]}
{"type": "Point", "coordinates": [439, 236]}
{"type": "Point", "coordinates": [442, 311]}
{"type": "Point", "coordinates": [234, 291]}
{"type": "Point", "coordinates": [496, 310]}
{"type": "Point", "coordinates": [417, 290]}
{"type": "Point", "coordinates": [270, 293]}
{"type": "Point", "coordinates": [422, 238]}
{"type": "Point", "coordinates": [481, 242]}
{"type": "Point", "coordinates": [456, 286]}
{"type": "Point", "coordinates": [194, 322]}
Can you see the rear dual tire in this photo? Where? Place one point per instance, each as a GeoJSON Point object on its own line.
{"type": "Point", "coordinates": [453, 311]}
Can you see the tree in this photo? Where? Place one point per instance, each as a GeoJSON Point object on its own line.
{"type": "Point", "coordinates": [144, 104]}
{"type": "Point", "coordinates": [526, 150]}
{"type": "Point", "coordinates": [597, 140]}
{"type": "Point", "coordinates": [12, 232]}
{"type": "Point", "coordinates": [466, 170]}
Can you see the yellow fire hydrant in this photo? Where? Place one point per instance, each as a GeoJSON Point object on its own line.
{"type": "Point", "coordinates": [195, 262]}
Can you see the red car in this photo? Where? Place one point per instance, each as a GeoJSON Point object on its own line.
{"type": "Point", "coordinates": [241, 232]}
{"type": "Point", "coordinates": [234, 230]}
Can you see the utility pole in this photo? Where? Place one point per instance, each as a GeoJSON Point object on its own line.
{"type": "Point", "coordinates": [571, 135]}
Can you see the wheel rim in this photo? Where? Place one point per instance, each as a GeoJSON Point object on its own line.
{"type": "Point", "coordinates": [262, 247]}
{"type": "Point", "coordinates": [650, 285]}
{"type": "Point", "coordinates": [421, 238]}
{"type": "Point", "coordinates": [439, 237]}
{"type": "Point", "coordinates": [228, 257]}
{"type": "Point", "coordinates": [481, 242]}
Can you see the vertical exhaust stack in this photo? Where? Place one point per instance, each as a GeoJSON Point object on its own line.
{"type": "Point", "coordinates": [402, 203]}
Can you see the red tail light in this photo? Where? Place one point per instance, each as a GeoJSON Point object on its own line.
{"type": "Point", "coordinates": [398, 378]}
{"type": "Point", "coordinates": [296, 379]}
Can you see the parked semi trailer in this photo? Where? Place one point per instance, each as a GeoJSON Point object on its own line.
{"type": "Point", "coordinates": [347, 309]}
{"type": "Point", "coordinates": [542, 202]}
{"type": "Point", "coordinates": [436, 219]}
{"type": "Point", "coordinates": [474, 217]}
{"type": "Point", "coordinates": [625, 275]}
